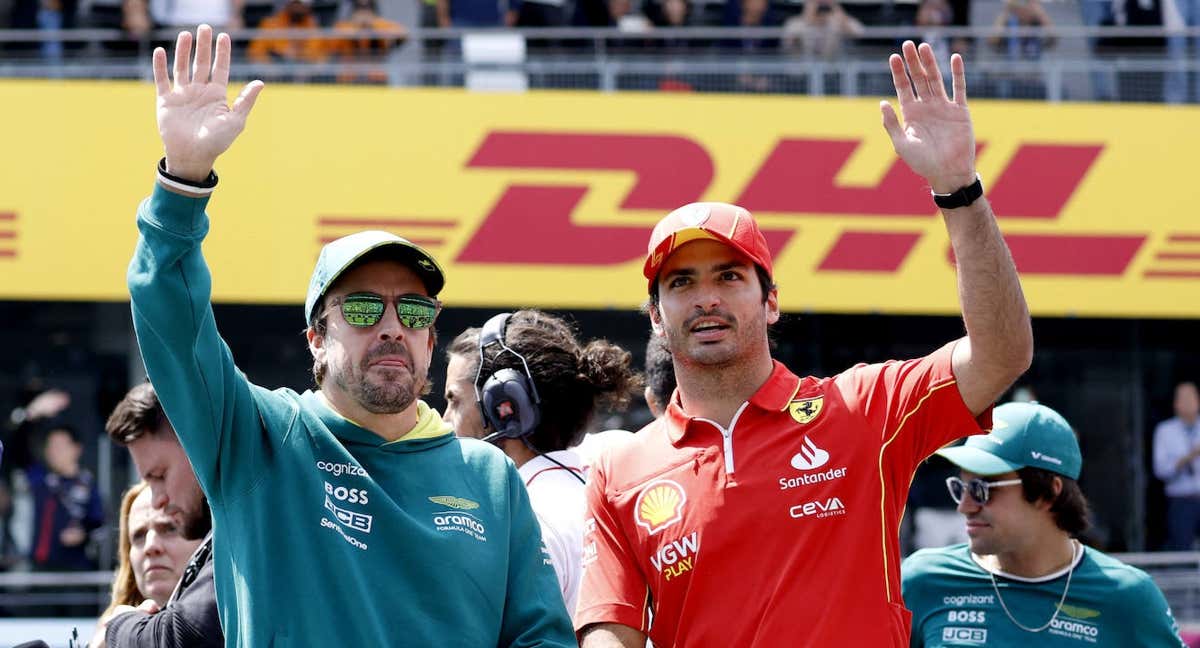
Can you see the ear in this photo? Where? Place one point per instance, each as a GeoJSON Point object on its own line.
{"type": "Point", "coordinates": [316, 343]}
{"type": "Point", "coordinates": [772, 306]}
{"type": "Point", "coordinates": [656, 324]}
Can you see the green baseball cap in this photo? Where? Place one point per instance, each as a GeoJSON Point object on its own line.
{"type": "Point", "coordinates": [1024, 435]}
{"type": "Point", "coordinates": [339, 255]}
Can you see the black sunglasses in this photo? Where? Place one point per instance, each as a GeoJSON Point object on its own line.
{"type": "Point", "coordinates": [364, 310]}
{"type": "Point", "coordinates": [978, 489]}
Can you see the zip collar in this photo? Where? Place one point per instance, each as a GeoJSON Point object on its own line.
{"type": "Point", "coordinates": [773, 396]}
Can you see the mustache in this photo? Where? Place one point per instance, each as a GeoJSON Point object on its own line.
{"type": "Point", "coordinates": [716, 312]}
{"type": "Point", "coordinates": [387, 349]}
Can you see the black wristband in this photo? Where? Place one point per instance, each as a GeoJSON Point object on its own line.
{"type": "Point", "coordinates": [961, 198]}
{"type": "Point", "coordinates": [207, 183]}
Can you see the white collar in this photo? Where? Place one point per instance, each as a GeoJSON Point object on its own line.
{"type": "Point", "coordinates": [539, 464]}
{"type": "Point", "coordinates": [1038, 579]}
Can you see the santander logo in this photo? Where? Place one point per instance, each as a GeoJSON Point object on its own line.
{"type": "Point", "coordinates": [809, 457]}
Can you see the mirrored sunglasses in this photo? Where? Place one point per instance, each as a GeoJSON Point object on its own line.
{"type": "Point", "coordinates": [364, 310]}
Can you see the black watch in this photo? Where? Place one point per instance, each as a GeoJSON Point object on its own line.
{"type": "Point", "coordinates": [961, 198]}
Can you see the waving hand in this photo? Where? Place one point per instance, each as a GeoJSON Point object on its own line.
{"type": "Point", "coordinates": [937, 140]}
{"type": "Point", "coordinates": [195, 122]}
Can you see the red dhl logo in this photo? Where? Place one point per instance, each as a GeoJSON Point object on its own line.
{"type": "Point", "coordinates": [797, 178]}
{"type": "Point", "coordinates": [8, 235]}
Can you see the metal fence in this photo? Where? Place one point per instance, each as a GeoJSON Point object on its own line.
{"type": "Point", "coordinates": [1084, 64]}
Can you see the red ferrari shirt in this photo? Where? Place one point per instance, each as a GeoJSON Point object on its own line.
{"type": "Point", "coordinates": [779, 531]}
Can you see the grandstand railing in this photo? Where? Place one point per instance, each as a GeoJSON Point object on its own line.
{"type": "Point", "coordinates": [695, 58]}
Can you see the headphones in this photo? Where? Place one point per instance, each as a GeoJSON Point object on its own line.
{"type": "Point", "coordinates": [507, 399]}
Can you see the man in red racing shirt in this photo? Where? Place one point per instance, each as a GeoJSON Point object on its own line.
{"type": "Point", "coordinates": [763, 509]}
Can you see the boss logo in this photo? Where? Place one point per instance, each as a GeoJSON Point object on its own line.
{"type": "Point", "coordinates": [967, 616]}
{"type": "Point", "coordinates": [343, 494]}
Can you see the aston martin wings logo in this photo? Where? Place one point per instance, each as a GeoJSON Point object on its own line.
{"type": "Point", "coordinates": [454, 502]}
{"type": "Point", "coordinates": [806, 409]}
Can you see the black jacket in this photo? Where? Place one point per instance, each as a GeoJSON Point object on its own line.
{"type": "Point", "coordinates": [190, 618]}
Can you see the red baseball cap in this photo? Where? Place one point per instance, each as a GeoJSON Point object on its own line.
{"type": "Point", "coordinates": [722, 222]}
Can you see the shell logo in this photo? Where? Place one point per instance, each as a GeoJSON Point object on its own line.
{"type": "Point", "coordinates": [660, 505]}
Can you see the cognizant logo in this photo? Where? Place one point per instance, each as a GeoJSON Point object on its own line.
{"type": "Point", "coordinates": [338, 469]}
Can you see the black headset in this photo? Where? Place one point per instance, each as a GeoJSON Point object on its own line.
{"type": "Point", "coordinates": [508, 399]}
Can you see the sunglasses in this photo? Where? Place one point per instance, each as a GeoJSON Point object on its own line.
{"type": "Point", "coordinates": [979, 490]}
{"type": "Point", "coordinates": [364, 310]}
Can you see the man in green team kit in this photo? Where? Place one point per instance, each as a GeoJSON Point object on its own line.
{"type": "Point", "coordinates": [1024, 578]}
{"type": "Point", "coordinates": [349, 515]}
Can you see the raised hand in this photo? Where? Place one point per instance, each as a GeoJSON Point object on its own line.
{"type": "Point", "coordinates": [195, 122]}
{"type": "Point", "coordinates": [937, 140]}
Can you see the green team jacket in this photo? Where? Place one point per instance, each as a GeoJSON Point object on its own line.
{"type": "Point", "coordinates": [1109, 605]}
{"type": "Point", "coordinates": [325, 535]}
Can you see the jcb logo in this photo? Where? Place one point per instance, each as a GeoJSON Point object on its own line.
{"type": "Point", "coordinates": [343, 494]}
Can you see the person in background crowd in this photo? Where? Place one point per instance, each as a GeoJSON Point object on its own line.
{"type": "Point", "coordinates": [151, 552]}
{"type": "Point", "coordinates": [1177, 464]}
{"type": "Point", "coordinates": [19, 435]}
{"type": "Point", "coordinates": [66, 504]}
{"type": "Point", "coordinates": [364, 16]}
{"type": "Point", "coordinates": [139, 17]}
{"type": "Point", "coordinates": [294, 15]}
{"type": "Point", "coordinates": [169, 539]}
{"type": "Point", "coordinates": [531, 387]}
{"type": "Point", "coordinates": [660, 376]}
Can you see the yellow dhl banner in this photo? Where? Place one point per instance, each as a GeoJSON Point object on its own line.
{"type": "Point", "coordinates": [547, 198]}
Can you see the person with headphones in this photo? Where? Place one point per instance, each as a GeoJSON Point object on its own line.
{"type": "Point", "coordinates": [525, 383]}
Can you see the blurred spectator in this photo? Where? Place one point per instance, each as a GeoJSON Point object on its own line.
{"type": "Point", "coordinates": [1022, 14]}
{"type": "Point", "coordinates": [294, 15]}
{"type": "Point", "coordinates": [1178, 15]}
{"type": "Point", "coordinates": [594, 13]}
{"type": "Point", "coordinates": [1018, 14]}
{"type": "Point", "coordinates": [364, 16]}
{"type": "Point", "coordinates": [1176, 450]}
{"type": "Point", "coordinates": [19, 436]}
{"type": "Point", "coordinates": [66, 501]}
{"type": "Point", "coordinates": [139, 17]}
{"type": "Point", "coordinates": [477, 13]}
{"type": "Point", "coordinates": [660, 376]}
{"type": "Point", "coordinates": [821, 29]}
{"type": "Point", "coordinates": [45, 15]}
{"type": "Point", "coordinates": [623, 15]}
{"type": "Point", "coordinates": [1099, 13]}
{"type": "Point", "coordinates": [932, 16]}
{"type": "Point", "coordinates": [541, 13]}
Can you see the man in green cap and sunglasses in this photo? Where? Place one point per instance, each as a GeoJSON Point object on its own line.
{"type": "Point", "coordinates": [349, 515]}
{"type": "Point", "coordinates": [1024, 579]}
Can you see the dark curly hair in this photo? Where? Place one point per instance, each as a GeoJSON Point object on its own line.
{"type": "Point", "coordinates": [573, 379]}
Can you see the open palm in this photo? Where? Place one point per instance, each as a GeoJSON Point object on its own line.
{"type": "Point", "coordinates": [194, 121]}
{"type": "Point", "coordinates": [937, 140]}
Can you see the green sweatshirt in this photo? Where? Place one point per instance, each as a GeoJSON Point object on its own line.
{"type": "Point", "coordinates": [1109, 604]}
{"type": "Point", "coordinates": [324, 534]}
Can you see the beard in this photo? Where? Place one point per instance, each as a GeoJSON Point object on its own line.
{"type": "Point", "coordinates": [393, 391]}
{"type": "Point", "coordinates": [722, 354]}
{"type": "Point", "coordinates": [194, 525]}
